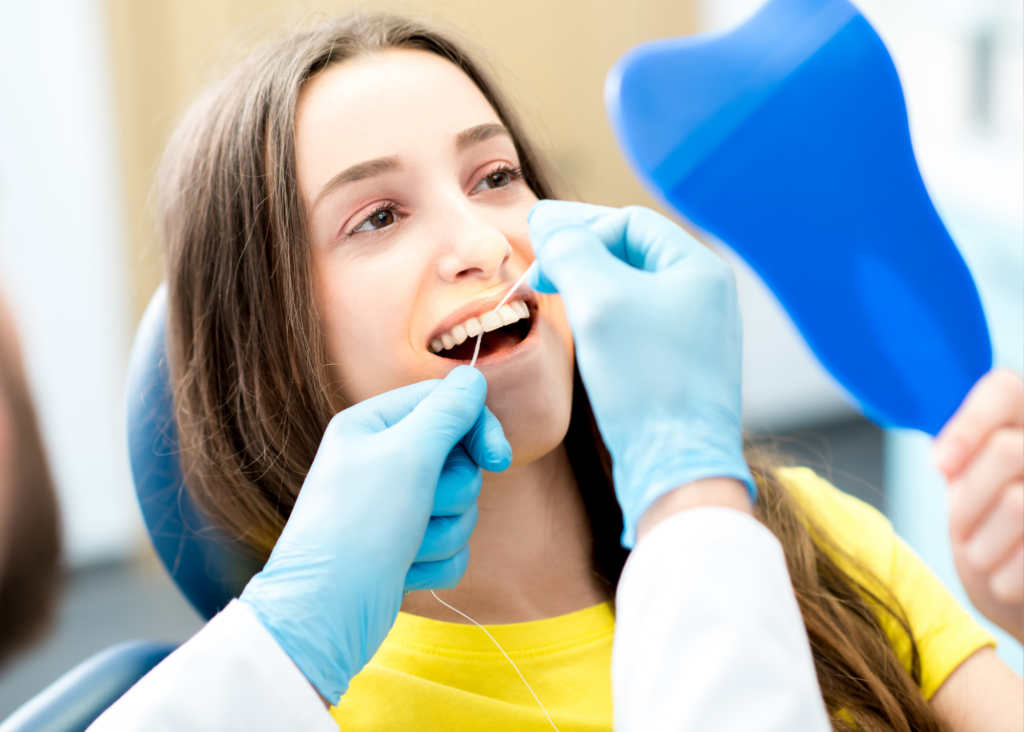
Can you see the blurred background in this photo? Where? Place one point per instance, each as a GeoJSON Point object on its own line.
{"type": "Point", "coordinates": [90, 90]}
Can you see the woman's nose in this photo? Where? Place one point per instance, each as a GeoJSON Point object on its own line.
{"type": "Point", "coordinates": [478, 250]}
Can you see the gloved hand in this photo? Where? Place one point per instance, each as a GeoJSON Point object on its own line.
{"type": "Point", "coordinates": [369, 525]}
{"type": "Point", "coordinates": [658, 343]}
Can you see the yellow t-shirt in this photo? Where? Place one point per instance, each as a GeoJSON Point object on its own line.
{"type": "Point", "coordinates": [944, 632]}
{"type": "Point", "coordinates": [429, 675]}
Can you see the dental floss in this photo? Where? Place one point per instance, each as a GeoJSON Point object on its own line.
{"type": "Point", "coordinates": [496, 642]}
{"type": "Point", "coordinates": [476, 353]}
{"type": "Point", "coordinates": [489, 318]}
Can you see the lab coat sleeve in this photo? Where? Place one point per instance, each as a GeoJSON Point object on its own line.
{"type": "Point", "coordinates": [708, 633]}
{"type": "Point", "coordinates": [232, 675]}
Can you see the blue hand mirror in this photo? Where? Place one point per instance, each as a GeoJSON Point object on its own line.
{"type": "Point", "coordinates": [787, 139]}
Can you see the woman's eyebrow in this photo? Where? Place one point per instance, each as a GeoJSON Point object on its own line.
{"type": "Point", "coordinates": [360, 171]}
{"type": "Point", "coordinates": [478, 134]}
{"type": "Point", "coordinates": [380, 166]}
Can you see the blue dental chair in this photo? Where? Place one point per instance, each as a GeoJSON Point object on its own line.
{"type": "Point", "coordinates": [207, 567]}
{"type": "Point", "coordinates": [208, 570]}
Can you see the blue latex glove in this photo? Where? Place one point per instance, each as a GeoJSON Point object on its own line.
{"type": "Point", "coordinates": [658, 343]}
{"type": "Point", "coordinates": [369, 525]}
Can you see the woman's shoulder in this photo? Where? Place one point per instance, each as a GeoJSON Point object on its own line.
{"type": "Point", "coordinates": [853, 525]}
{"type": "Point", "coordinates": [879, 560]}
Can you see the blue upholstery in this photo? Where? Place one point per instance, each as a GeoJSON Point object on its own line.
{"type": "Point", "coordinates": [787, 139]}
{"type": "Point", "coordinates": [208, 569]}
{"type": "Point", "coordinates": [76, 699]}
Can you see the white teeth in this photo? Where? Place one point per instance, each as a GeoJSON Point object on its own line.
{"type": "Point", "coordinates": [506, 315]}
{"type": "Point", "coordinates": [492, 321]}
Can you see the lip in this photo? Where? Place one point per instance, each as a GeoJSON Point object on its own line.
{"type": "Point", "coordinates": [483, 306]}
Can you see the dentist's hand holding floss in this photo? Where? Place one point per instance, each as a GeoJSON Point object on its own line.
{"type": "Point", "coordinates": [658, 343]}
{"type": "Point", "coordinates": [387, 507]}
{"type": "Point", "coordinates": [658, 338]}
{"type": "Point", "coordinates": [369, 525]}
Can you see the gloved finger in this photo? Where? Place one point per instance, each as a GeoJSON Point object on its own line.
{"type": "Point", "coordinates": [486, 443]}
{"type": "Point", "coordinates": [575, 261]}
{"type": "Point", "coordinates": [443, 575]}
{"type": "Point", "coordinates": [539, 283]}
{"type": "Point", "coordinates": [647, 240]}
{"type": "Point", "coordinates": [446, 535]}
{"type": "Point", "coordinates": [384, 410]}
{"type": "Point", "coordinates": [549, 213]}
{"type": "Point", "coordinates": [446, 414]}
{"type": "Point", "coordinates": [459, 484]}
{"type": "Point", "coordinates": [636, 235]}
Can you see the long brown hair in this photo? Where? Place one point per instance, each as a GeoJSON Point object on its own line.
{"type": "Point", "coordinates": [252, 394]}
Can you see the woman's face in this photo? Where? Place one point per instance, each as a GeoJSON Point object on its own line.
{"type": "Point", "coordinates": [418, 228]}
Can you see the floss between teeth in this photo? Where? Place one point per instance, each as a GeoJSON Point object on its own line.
{"type": "Point", "coordinates": [476, 353]}
{"type": "Point", "coordinates": [492, 316]}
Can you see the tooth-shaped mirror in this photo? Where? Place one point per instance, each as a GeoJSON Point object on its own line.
{"type": "Point", "coordinates": [787, 139]}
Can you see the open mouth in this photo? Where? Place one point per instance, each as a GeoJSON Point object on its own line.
{"type": "Point", "coordinates": [508, 329]}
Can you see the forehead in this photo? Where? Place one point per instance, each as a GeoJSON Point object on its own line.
{"type": "Point", "coordinates": [392, 103]}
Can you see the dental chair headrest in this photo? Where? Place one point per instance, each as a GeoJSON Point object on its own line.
{"type": "Point", "coordinates": [208, 567]}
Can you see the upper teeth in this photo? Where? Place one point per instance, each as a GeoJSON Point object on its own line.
{"type": "Point", "coordinates": [506, 315]}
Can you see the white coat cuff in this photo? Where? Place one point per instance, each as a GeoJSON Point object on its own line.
{"type": "Point", "coordinates": [231, 675]}
{"type": "Point", "coordinates": [708, 632]}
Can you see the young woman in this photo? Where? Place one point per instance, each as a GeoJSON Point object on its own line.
{"type": "Point", "coordinates": [338, 215]}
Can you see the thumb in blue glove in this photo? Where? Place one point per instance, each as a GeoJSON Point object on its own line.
{"type": "Point", "coordinates": [387, 506]}
{"type": "Point", "coordinates": [658, 339]}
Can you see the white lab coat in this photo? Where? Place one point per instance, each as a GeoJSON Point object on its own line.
{"type": "Point", "coordinates": [708, 637]}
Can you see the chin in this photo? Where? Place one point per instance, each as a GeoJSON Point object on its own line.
{"type": "Point", "coordinates": [533, 401]}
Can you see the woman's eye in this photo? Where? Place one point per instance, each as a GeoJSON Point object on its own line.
{"type": "Point", "coordinates": [496, 179]}
{"type": "Point", "coordinates": [377, 220]}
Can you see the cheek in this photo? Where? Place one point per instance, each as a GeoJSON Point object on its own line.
{"type": "Point", "coordinates": [512, 222]}
{"type": "Point", "coordinates": [555, 312]}
{"type": "Point", "coordinates": [363, 341]}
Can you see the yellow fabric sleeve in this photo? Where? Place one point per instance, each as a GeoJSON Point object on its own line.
{"type": "Point", "coordinates": [946, 635]}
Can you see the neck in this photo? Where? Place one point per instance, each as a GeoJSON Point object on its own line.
{"type": "Point", "coordinates": [530, 554]}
